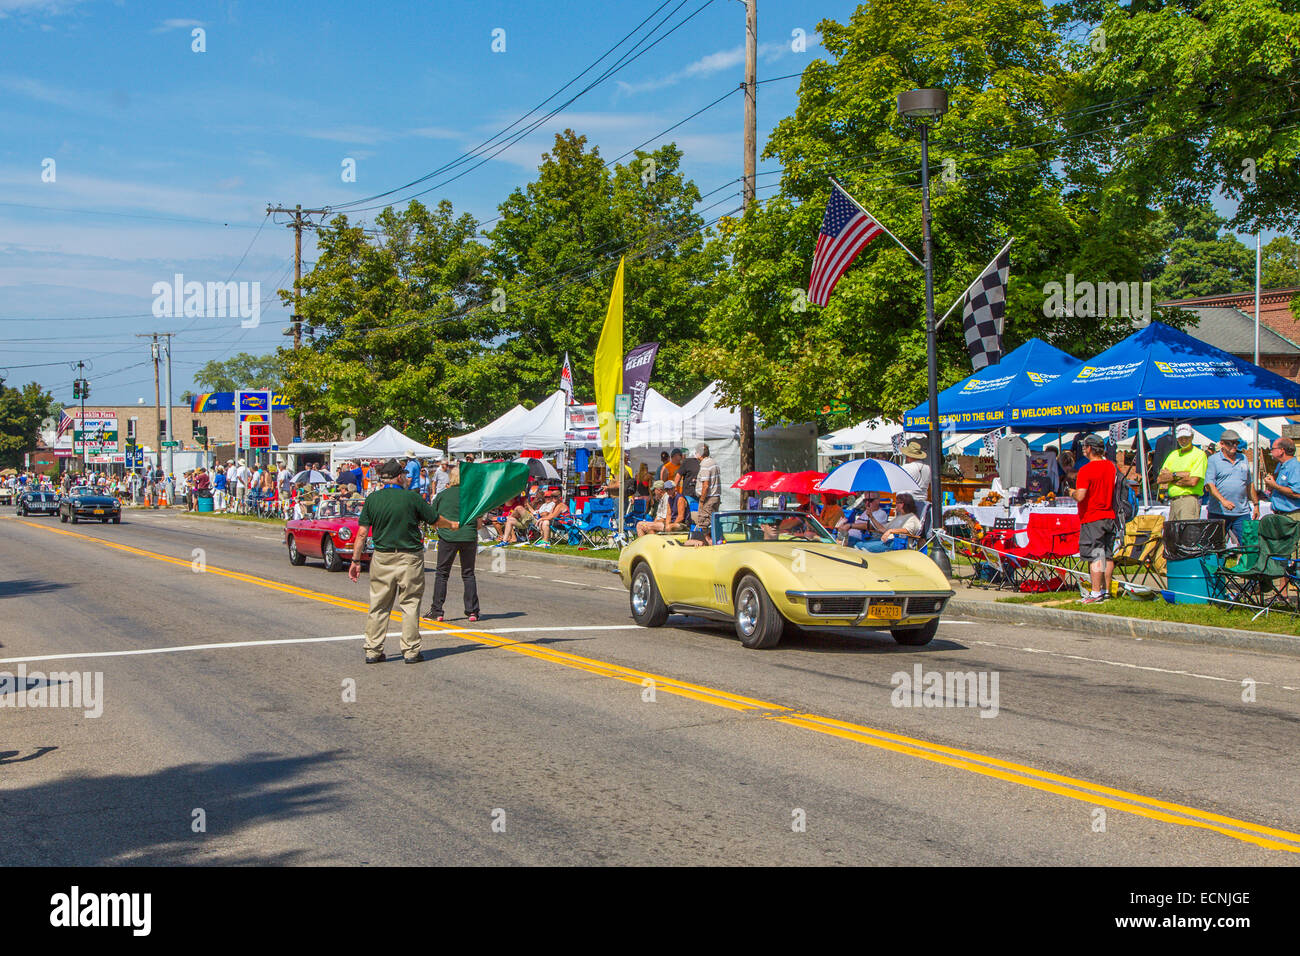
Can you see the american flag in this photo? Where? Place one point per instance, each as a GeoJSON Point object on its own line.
{"type": "Point", "coordinates": [845, 230]}
{"type": "Point", "coordinates": [64, 424]}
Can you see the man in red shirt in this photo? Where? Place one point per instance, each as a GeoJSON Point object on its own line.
{"type": "Point", "coordinates": [1094, 489]}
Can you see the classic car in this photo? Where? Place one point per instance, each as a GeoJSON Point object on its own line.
{"type": "Point", "coordinates": [36, 502]}
{"type": "Point", "coordinates": [768, 570]}
{"type": "Point", "coordinates": [7, 494]}
{"type": "Point", "coordinates": [85, 502]}
{"type": "Point", "coordinates": [329, 535]}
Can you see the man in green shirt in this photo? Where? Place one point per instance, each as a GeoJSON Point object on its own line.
{"type": "Point", "coordinates": [1184, 472]}
{"type": "Point", "coordinates": [454, 541]}
{"type": "Point", "coordinates": [392, 517]}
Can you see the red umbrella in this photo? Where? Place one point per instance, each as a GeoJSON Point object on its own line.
{"type": "Point", "coordinates": [757, 480]}
{"type": "Point", "coordinates": [797, 482]}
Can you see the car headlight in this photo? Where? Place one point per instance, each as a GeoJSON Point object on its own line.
{"type": "Point", "coordinates": [815, 607]}
{"type": "Point", "coordinates": [344, 534]}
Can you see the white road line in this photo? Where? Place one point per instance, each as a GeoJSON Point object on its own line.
{"type": "Point", "coordinates": [302, 640]}
{"type": "Point", "coordinates": [1137, 667]}
{"type": "Point", "coordinates": [262, 537]}
{"type": "Point", "coordinates": [580, 584]}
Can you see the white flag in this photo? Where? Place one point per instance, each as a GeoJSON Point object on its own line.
{"type": "Point", "coordinates": [566, 381]}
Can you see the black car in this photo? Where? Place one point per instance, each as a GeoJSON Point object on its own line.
{"type": "Point", "coordinates": [89, 504]}
{"type": "Point", "coordinates": [34, 502]}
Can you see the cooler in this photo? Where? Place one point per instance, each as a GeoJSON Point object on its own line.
{"type": "Point", "coordinates": [1192, 580]}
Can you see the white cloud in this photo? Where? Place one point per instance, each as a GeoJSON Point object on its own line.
{"type": "Point", "coordinates": [178, 24]}
{"type": "Point", "coordinates": [717, 62]}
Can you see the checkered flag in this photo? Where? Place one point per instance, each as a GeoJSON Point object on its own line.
{"type": "Point", "coordinates": [898, 442]}
{"type": "Point", "coordinates": [1119, 432]}
{"type": "Point", "coordinates": [991, 442]}
{"type": "Point", "coordinates": [984, 312]}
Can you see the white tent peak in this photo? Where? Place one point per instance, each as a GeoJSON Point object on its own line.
{"type": "Point", "coordinates": [388, 442]}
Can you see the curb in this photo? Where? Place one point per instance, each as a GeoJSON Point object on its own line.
{"type": "Point", "coordinates": [1114, 626]}
{"type": "Point", "coordinates": [564, 560]}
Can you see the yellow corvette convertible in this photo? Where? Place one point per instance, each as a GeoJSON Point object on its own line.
{"type": "Point", "coordinates": [767, 569]}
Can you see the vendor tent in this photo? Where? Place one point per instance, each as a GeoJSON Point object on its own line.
{"type": "Point", "coordinates": [473, 440]}
{"type": "Point", "coordinates": [388, 442]}
{"type": "Point", "coordinates": [1159, 374]}
{"type": "Point", "coordinates": [540, 428]}
{"type": "Point", "coordinates": [983, 401]}
{"type": "Point", "coordinates": [872, 437]}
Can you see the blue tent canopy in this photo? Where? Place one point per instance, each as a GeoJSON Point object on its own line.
{"type": "Point", "coordinates": [1159, 374]}
{"type": "Point", "coordinates": [981, 402]}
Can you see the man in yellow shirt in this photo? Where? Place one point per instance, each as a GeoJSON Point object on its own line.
{"type": "Point", "coordinates": [1184, 472]}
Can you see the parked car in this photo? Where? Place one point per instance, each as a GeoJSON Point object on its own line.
{"type": "Point", "coordinates": [328, 536]}
{"type": "Point", "coordinates": [771, 569]}
{"type": "Point", "coordinates": [34, 502]}
{"type": "Point", "coordinates": [85, 502]}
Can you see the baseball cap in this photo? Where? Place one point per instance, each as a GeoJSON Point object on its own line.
{"type": "Point", "coordinates": [391, 468]}
{"type": "Point", "coordinates": [657, 486]}
{"type": "Point", "coordinates": [1182, 430]}
{"type": "Point", "coordinates": [1229, 435]}
{"type": "Point", "coordinates": [1093, 441]}
{"type": "Point", "coordinates": [669, 485]}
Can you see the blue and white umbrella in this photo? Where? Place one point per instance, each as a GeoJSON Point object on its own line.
{"type": "Point", "coordinates": [869, 474]}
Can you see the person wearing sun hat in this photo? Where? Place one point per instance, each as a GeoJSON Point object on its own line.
{"type": "Point", "coordinates": [1183, 471]}
{"type": "Point", "coordinates": [1230, 485]}
{"type": "Point", "coordinates": [916, 465]}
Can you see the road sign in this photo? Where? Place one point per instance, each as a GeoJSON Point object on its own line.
{"type": "Point", "coordinates": [622, 407]}
{"type": "Point", "coordinates": [171, 444]}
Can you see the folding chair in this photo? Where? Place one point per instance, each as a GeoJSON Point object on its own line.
{"type": "Point", "coordinates": [1252, 576]}
{"type": "Point", "coordinates": [596, 526]}
{"type": "Point", "coordinates": [634, 514]}
{"type": "Point", "coordinates": [1141, 558]}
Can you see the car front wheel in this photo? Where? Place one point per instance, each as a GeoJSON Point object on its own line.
{"type": "Point", "coordinates": [648, 608]}
{"type": "Point", "coordinates": [916, 636]}
{"type": "Point", "coordinates": [331, 555]}
{"type": "Point", "coordinates": [759, 624]}
{"type": "Point", "coordinates": [73, 516]}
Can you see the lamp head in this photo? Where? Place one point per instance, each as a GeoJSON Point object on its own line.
{"type": "Point", "coordinates": [923, 106]}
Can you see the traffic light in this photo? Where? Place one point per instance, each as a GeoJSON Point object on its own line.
{"type": "Point", "coordinates": [76, 389]}
{"type": "Point", "coordinates": [85, 389]}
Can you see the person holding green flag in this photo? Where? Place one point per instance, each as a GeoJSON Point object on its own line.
{"type": "Point", "coordinates": [485, 485]}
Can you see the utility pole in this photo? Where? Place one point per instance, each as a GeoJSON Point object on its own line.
{"type": "Point", "coordinates": [81, 391]}
{"type": "Point", "coordinates": [750, 88]}
{"type": "Point", "coordinates": [297, 224]}
{"type": "Point", "coordinates": [157, 399]}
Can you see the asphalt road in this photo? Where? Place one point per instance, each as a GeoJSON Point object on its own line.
{"type": "Point", "coordinates": [557, 732]}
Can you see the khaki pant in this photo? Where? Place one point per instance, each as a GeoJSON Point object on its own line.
{"type": "Point", "coordinates": [705, 511]}
{"type": "Point", "coordinates": [395, 576]}
{"type": "Point", "coordinates": [1185, 508]}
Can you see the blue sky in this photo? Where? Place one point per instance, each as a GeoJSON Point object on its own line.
{"type": "Point", "coordinates": [165, 159]}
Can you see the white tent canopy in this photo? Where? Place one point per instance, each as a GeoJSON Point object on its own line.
{"type": "Point", "coordinates": [540, 428]}
{"type": "Point", "coordinates": [473, 441]}
{"type": "Point", "coordinates": [388, 442]}
{"type": "Point", "coordinates": [874, 436]}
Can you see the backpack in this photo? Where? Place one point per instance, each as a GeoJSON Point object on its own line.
{"type": "Point", "coordinates": [1123, 500]}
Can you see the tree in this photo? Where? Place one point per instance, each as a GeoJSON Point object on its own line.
{"type": "Point", "coordinates": [1198, 258]}
{"type": "Point", "coordinates": [1281, 264]}
{"type": "Point", "coordinates": [397, 330]}
{"type": "Point", "coordinates": [555, 251]}
{"type": "Point", "coordinates": [994, 174]}
{"type": "Point", "coordinates": [1179, 100]}
{"type": "Point", "coordinates": [23, 413]}
{"type": "Point", "coordinates": [242, 371]}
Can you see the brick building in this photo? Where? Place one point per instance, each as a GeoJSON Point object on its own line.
{"type": "Point", "coordinates": [142, 423]}
{"type": "Point", "coordinates": [1228, 322]}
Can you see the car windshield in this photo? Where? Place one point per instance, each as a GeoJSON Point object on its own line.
{"type": "Point", "coordinates": [771, 526]}
{"type": "Point", "coordinates": [339, 509]}
{"type": "Point", "coordinates": [83, 490]}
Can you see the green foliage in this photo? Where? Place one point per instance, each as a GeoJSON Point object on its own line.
{"type": "Point", "coordinates": [394, 334]}
{"type": "Point", "coordinates": [1281, 264]}
{"type": "Point", "coordinates": [23, 413]}
{"type": "Point", "coordinates": [555, 251]}
{"type": "Point", "coordinates": [240, 371]}
{"type": "Point", "coordinates": [1198, 258]}
{"type": "Point", "coordinates": [1180, 101]}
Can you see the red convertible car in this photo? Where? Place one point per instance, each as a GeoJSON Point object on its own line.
{"type": "Point", "coordinates": [329, 536]}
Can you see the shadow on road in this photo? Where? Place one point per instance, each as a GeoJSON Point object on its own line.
{"type": "Point", "coordinates": [27, 587]}
{"type": "Point", "coordinates": [11, 756]}
{"type": "Point", "coordinates": [147, 819]}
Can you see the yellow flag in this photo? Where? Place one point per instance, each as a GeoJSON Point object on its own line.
{"type": "Point", "coordinates": [609, 375]}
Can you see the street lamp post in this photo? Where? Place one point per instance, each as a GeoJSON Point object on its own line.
{"type": "Point", "coordinates": [925, 108]}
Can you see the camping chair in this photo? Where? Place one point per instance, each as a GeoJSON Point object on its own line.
{"type": "Point", "coordinates": [596, 526]}
{"type": "Point", "coordinates": [995, 567]}
{"type": "Point", "coordinates": [1260, 577]}
{"type": "Point", "coordinates": [634, 514]}
{"type": "Point", "coordinates": [1042, 531]}
{"type": "Point", "coordinates": [1141, 557]}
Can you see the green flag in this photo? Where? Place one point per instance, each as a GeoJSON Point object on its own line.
{"type": "Point", "coordinates": [485, 485]}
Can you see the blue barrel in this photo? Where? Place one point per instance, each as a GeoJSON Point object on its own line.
{"type": "Point", "coordinates": [1192, 579]}
{"type": "Point", "coordinates": [204, 502]}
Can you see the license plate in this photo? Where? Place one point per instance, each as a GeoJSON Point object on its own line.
{"type": "Point", "coordinates": [99, 511]}
{"type": "Point", "coordinates": [884, 612]}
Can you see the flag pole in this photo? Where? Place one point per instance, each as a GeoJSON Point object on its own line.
{"type": "Point", "coordinates": [876, 221]}
{"type": "Point", "coordinates": [961, 298]}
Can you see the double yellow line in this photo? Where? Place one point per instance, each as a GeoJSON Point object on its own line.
{"type": "Point", "coordinates": [1095, 794]}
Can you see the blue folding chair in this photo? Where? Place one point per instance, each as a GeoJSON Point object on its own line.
{"type": "Point", "coordinates": [634, 514]}
{"type": "Point", "coordinates": [596, 526]}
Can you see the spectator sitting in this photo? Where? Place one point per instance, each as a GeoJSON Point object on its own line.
{"type": "Point", "coordinates": [867, 523]}
{"type": "Point", "coordinates": [660, 519]}
{"type": "Point", "coordinates": [551, 514]}
{"type": "Point", "coordinates": [906, 523]}
{"type": "Point", "coordinates": [521, 518]}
